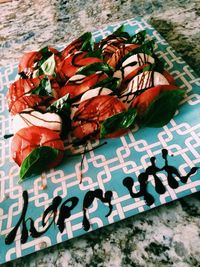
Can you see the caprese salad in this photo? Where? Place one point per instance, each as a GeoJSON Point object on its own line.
{"type": "Point", "coordinates": [91, 90]}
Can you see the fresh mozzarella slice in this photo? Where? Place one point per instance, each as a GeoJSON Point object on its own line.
{"type": "Point", "coordinates": [135, 61]}
{"type": "Point", "coordinates": [89, 94]}
{"type": "Point", "coordinates": [118, 74]}
{"type": "Point", "coordinates": [95, 92]}
{"type": "Point", "coordinates": [144, 80]}
{"type": "Point", "coordinates": [30, 117]}
{"type": "Point", "coordinates": [77, 78]}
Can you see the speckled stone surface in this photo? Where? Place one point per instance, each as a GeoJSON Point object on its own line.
{"type": "Point", "coordinates": [166, 236]}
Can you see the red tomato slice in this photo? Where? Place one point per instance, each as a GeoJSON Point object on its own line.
{"type": "Point", "coordinates": [142, 102]}
{"type": "Point", "coordinates": [169, 77]}
{"type": "Point", "coordinates": [111, 39]}
{"type": "Point", "coordinates": [27, 139]}
{"type": "Point", "coordinates": [29, 59]}
{"type": "Point", "coordinates": [31, 101]}
{"type": "Point", "coordinates": [70, 65]}
{"type": "Point", "coordinates": [19, 95]}
{"type": "Point", "coordinates": [92, 112]}
{"type": "Point", "coordinates": [119, 53]}
{"type": "Point", "coordinates": [21, 87]}
{"type": "Point", "coordinates": [72, 48]}
{"type": "Point", "coordinates": [75, 88]}
{"type": "Point", "coordinates": [27, 62]}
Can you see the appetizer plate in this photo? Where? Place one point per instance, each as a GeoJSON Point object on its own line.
{"type": "Point", "coordinates": [141, 170]}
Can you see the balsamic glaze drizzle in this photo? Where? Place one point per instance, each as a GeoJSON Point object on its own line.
{"type": "Point", "coordinates": [6, 136]}
{"type": "Point", "coordinates": [152, 170]}
{"type": "Point", "coordinates": [57, 213]}
{"type": "Point", "coordinates": [88, 200]}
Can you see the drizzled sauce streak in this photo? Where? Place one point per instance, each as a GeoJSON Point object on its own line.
{"type": "Point", "coordinates": [11, 236]}
{"type": "Point", "coordinates": [57, 213]}
{"type": "Point", "coordinates": [50, 212]}
{"type": "Point", "coordinates": [65, 212]}
{"type": "Point", "coordinates": [6, 136]}
{"type": "Point", "coordinates": [152, 170]}
{"type": "Point", "coordinates": [88, 200]}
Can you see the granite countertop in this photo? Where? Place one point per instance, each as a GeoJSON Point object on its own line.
{"type": "Point", "coordinates": [165, 236]}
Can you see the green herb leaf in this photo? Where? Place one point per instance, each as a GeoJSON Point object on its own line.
{"type": "Point", "coordinates": [146, 48]}
{"type": "Point", "coordinates": [138, 38]}
{"type": "Point", "coordinates": [48, 67]}
{"type": "Point", "coordinates": [45, 55]}
{"type": "Point", "coordinates": [111, 83]}
{"type": "Point", "coordinates": [162, 109]}
{"type": "Point", "coordinates": [92, 68]}
{"type": "Point", "coordinates": [120, 32]}
{"type": "Point", "coordinates": [88, 42]}
{"type": "Point", "coordinates": [96, 53]}
{"type": "Point", "coordinates": [61, 105]}
{"type": "Point", "coordinates": [37, 161]}
{"type": "Point", "coordinates": [44, 89]}
{"type": "Point", "coordinates": [119, 121]}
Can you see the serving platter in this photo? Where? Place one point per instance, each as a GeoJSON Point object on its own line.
{"type": "Point", "coordinates": [125, 176]}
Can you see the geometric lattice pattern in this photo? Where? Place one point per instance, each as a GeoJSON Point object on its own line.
{"type": "Point", "coordinates": [103, 168]}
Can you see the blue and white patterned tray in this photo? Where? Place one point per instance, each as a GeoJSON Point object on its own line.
{"type": "Point", "coordinates": [106, 194]}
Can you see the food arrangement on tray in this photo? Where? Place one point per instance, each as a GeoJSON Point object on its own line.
{"type": "Point", "coordinates": [63, 103]}
{"type": "Point", "coordinates": [91, 90]}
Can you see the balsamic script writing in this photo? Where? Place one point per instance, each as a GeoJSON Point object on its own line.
{"type": "Point", "coordinates": [58, 212]}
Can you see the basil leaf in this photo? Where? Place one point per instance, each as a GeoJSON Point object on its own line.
{"type": "Point", "coordinates": [48, 67]}
{"type": "Point", "coordinates": [111, 83]}
{"type": "Point", "coordinates": [96, 53]}
{"type": "Point", "coordinates": [92, 68]}
{"type": "Point", "coordinates": [37, 161]}
{"type": "Point", "coordinates": [146, 48]}
{"type": "Point", "coordinates": [88, 42]}
{"type": "Point", "coordinates": [61, 105]}
{"type": "Point", "coordinates": [44, 89]}
{"type": "Point", "coordinates": [119, 121]}
{"type": "Point", "coordinates": [45, 55]}
{"type": "Point", "coordinates": [162, 109]}
{"type": "Point", "coordinates": [120, 32]}
{"type": "Point", "coordinates": [138, 38]}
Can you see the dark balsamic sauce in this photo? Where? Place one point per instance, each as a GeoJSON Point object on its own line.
{"type": "Point", "coordinates": [152, 170]}
{"type": "Point", "coordinates": [50, 212]}
{"type": "Point", "coordinates": [88, 200]}
{"type": "Point", "coordinates": [6, 136]}
{"type": "Point", "coordinates": [60, 212]}
{"type": "Point", "coordinates": [24, 236]}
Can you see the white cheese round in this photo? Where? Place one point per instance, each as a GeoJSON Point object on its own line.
{"type": "Point", "coordinates": [30, 117]}
{"type": "Point", "coordinates": [144, 80]}
{"type": "Point", "coordinates": [135, 61]}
